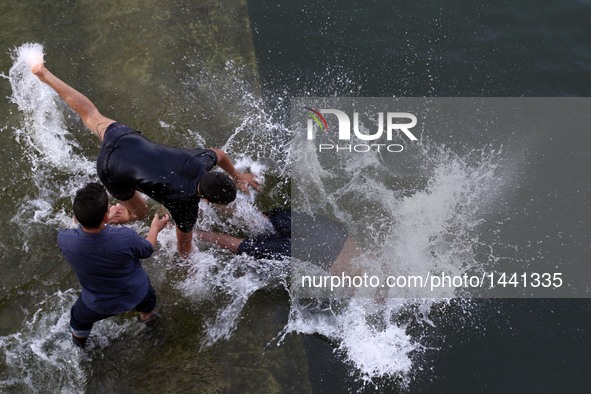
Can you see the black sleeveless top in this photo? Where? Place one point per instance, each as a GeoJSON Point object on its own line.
{"type": "Point", "coordinates": [128, 161]}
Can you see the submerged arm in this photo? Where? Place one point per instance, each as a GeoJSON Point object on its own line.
{"type": "Point", "coordinates": [225, 241]}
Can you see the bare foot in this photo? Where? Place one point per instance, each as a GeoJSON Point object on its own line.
{"type": "Point", "coordinates": [118, 214]}
{"type": "Point", "coordinates": [148, 317]}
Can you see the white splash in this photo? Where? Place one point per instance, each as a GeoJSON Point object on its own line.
{"type": "Point", "coordinates": [48, 144]}
{"type": "Point", "coordinates": [429, 228]}
{"type": "Point", "coordinates": [44, 125]}
{"type": "Point", "coordinates": [42, 351]}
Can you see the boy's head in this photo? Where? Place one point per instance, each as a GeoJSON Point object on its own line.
{"type": "Point", "coordinates": [90, 205]}
{"type": "Point", "coordinates": [217, 188]}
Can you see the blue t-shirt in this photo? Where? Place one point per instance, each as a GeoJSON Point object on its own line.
{"type": "Point", "coordinates": [108, 266]}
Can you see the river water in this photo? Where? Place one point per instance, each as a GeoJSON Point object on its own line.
{"type": "Point", "coordinates": [223, 74]}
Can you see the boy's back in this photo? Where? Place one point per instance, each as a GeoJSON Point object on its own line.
{"type": "Point", "coordinates": [108, 267]}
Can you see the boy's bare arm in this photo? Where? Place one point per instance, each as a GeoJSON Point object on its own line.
{"type": "Point", "coordinates": [225, 241]}
{"type": "Point", "coordinates": [243, 179]}
{"type": "Point", "coordinates": [158, 223]}
{"type": "Point", "coordinates": [92, 118]}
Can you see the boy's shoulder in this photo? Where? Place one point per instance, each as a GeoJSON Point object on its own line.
{"type": "Point", "coordinates": [108, 232]}
{"type": "Point", "coordinates": [123, 234]}
{"type": "Point", "coordinates": [120, 232]}
{"type": "Point", "coordinates": [65, 233]}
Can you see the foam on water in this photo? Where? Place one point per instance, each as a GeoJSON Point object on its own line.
{"type": "Point", "coordinates": [229, 280]}
{"type": "Point", "coordinates": [43, 350]}
{"type": "Point", "coordinates": [255, 133]}
{"type": "Point", "coordinates": [44, 125]}
{"type": "Point", "coordinates": [436, 228]}
{"type": "Point", "coordinates": [428, 229]}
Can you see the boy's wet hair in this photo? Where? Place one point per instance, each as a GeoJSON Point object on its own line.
{"type": "Point", "coordinates": [90, 205]}
{"type": "Point", "coordinates": [217, 188]}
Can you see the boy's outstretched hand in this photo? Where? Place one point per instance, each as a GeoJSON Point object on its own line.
{"type": "Point", "coordinates": [37, 67]}
{"type": "Point", "coordinates": [246, 179]}
{"type": "Point", "coordinates": [159, 222]}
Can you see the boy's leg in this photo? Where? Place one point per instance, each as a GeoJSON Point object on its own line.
{"type": "Point", "coordinates": [135, 208]}
{"type": "Point", "coordinates": [184, 242]}
{"type": "Point", "coordinates": [147, 306]}
{"type": "Point", "coordinates": [81, 321]}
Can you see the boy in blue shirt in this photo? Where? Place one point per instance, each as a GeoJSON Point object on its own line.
{"type": "Point", "coordinates": [106, 261]}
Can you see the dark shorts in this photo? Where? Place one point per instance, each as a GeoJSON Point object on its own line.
{"type": "Point", "coordinates": [318, 239]}
{"type": "Point", "coordinates": [82, 318]}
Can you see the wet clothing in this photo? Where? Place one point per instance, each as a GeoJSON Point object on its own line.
{"type": "Point", "coordinates": [83, 318]}
{"type": "Point", "coordinates": [108, 267]}
{"type": "Point", "coordinates": [128, 161]}
{"type": "Point", "coordinates": [271, 245]}
{"type": "Point", "coordinates": [318, 239]}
